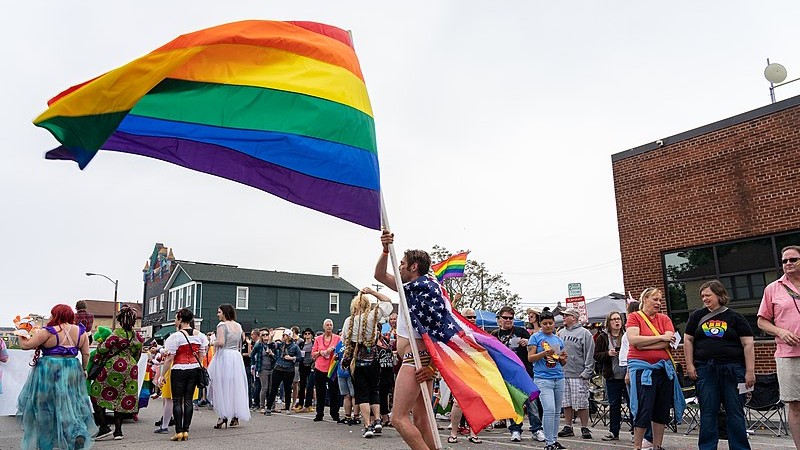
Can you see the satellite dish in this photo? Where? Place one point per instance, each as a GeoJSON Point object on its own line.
{"type": "Point", "coordinates": [775, 73]}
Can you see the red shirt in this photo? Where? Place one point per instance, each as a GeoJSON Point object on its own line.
{"type": "Point", "coordinates": [662, 324]}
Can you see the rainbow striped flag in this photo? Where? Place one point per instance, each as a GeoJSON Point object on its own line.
{"type": "Point", "coordinates": [451, 267]}
{"type": "Point", "coordinates": [279, 106]}
{"type": "Point", "coordinates": [488, 380]}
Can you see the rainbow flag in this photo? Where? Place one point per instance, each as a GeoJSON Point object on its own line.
{"type": "Point", "coordinates": [488, 380]}
{"type": "Point", "coordinates": [451, 267]}
{"type": "Point", "coordinates": [279, 106]}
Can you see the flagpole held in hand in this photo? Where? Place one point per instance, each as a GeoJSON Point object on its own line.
{"type": "Point", "coordinates": [403, 307]}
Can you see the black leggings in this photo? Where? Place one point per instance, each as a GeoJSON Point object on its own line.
{"type": "Point", "coordinates": [325, 386]}
{"type": "Point", "coordinates": [184, 382]}
{"type": "Point", "coordinates": [278, 377]}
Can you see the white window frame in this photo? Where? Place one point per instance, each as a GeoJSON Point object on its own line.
{"type": "Point", "coordinates": [151, 305]}
{"type": "Point", "coordinates": [246, 291]}
{"type": "Point", "coordinates": [180, 298]}
{"type": "Point", "coordinates": [333, 303]}
{"type": "Point", "coordinates": [173, 296]}
{"type": "Point", "coordinates": [189, 295]}
{"type": "Point", "coordinates": [161, 302]}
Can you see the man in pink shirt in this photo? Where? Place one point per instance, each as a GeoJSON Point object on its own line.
{"type": "Point", "coordinates": [779, 315]}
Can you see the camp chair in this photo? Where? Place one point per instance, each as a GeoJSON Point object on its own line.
{"type": "Point", "coordinates": [764, 404]}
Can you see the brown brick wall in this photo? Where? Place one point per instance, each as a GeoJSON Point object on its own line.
{"type": "Point", "coordinates": [733, 183]}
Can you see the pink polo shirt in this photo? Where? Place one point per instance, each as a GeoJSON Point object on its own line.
{"type": "Point", "coordinates": [323, 363]}
{"type": "Point", "coordinates": [780, 308]}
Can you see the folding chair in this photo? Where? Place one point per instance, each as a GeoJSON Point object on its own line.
{"type": "Point", "coordinates": [691, 415]}
{"type": "Point", "coordinates": [764, 404]}
{"type": "Point", "coordinates": [599, 411]}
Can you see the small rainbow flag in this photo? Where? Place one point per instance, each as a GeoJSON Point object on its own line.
{"type": "Point", "coordinates": [279, 106]}
{"type": "Point", "coordinates": [451, 267]}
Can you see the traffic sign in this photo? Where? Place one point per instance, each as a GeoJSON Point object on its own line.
{"type": "Point", "coordinates": [574, 289]}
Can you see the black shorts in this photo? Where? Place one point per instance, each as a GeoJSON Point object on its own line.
{"type": "Point", "coordinates": [655, 401]}
{"type": "Point", "coordinates": [365, 383]}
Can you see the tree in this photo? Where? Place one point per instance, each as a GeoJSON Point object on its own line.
{"type": "Point", "coordinates": [478, 288]}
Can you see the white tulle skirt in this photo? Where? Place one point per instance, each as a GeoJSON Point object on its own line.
{"type": "Point", "coordinates": [228, 388]}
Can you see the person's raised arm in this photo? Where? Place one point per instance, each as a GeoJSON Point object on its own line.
{"type": "Point", "coordinates": [38, 338]}
{"type": "Point", "coordinates": [381, 266]}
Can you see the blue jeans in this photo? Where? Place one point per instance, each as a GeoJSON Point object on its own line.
{"type": "Point", "coordinates": [615, 390]}
{"type": "Point", "coordinates": [533, 415]}
{"type": "Point", "coordinates": [552, 392]}
{"type": "Point", "coordinates": [717, 384]}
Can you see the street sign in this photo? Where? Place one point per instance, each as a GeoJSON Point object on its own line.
{"type": "Point", "coordinates": [579, 303]}
{"type": "Point", "coordinates": [574, 290]}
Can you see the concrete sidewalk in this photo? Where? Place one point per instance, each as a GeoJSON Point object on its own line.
{"type": "Point", "coordinates": [299, 431]}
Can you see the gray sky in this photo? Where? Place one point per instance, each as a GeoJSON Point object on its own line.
{"type": "Point", "coordinates": [496, 125]}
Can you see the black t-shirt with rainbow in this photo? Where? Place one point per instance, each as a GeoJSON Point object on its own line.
{"type": "Point", "coordinates": [718, 338]}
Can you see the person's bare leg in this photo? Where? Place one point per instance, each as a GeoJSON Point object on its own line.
{"type": "Point", "coordinates": [638, 435]}
{"type": "Point", "coordinates": [658, 434]}
{"type": "Point", "coordinates": [568, 415]}
{"type": "Point", "coordinates": [422, 420]}
{"type": "Point", "coordinates": [794, 422]}
{"type": "Point", "coordinates": [455, 419]}
{"type": "Point", "coordinates": [348, 407]}
{"type": "Point", "coordinates": [583, 415]}
{"type": "Point", "coordinates": [407, 393]}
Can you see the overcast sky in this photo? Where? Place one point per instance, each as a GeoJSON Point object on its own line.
{"type": "Point", "coordinates": [496, 123]}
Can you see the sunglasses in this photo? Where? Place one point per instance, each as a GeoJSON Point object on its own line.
{"type": "Point", "coordinates": [507, 317]}
{"type": "Point", "coordinates": [790, 260]}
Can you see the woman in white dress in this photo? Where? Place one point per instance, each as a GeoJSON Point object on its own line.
{"type": "Point", "coordinates": [228, 388]}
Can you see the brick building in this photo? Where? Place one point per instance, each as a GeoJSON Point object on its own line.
{"type": "Point", "coordinates": [715, 202]}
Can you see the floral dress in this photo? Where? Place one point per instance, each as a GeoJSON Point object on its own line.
{"type": "Point", "coordinates": [117, 386]}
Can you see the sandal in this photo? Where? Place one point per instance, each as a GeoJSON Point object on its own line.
{"type": "Point", "coordinates": [452, 440]}
{"type": "Point", "coordinates": [475, 440]}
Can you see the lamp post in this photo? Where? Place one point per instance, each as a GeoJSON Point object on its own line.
{"type": "Point", "coordinates": [775, 74]}
{"type": "Point", "coordinates": [116, 284]}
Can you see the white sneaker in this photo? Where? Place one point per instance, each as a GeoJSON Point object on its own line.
{"type": "Point", "coordinates": [646, 444]}
{"type": "Point", "coordinates": [539, 436]}
{"type": "Point", "coordinates": [515, 436]}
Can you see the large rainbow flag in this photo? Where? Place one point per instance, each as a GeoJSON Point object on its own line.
{"type": "Point", "coordinates": [451, 267]}
{"type": "Point", "coordinates": [488, 380]}
{"type": "Point", "coordinates": [279, 106]}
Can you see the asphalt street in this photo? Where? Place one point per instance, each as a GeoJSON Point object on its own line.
{"type": "Point", "coordinates": [298, 431]}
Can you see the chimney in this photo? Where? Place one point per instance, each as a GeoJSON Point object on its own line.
{"type": "Point", "coordinates": [335, 271]}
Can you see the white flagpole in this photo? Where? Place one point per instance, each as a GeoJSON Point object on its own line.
{"type": "Point", "coordinates": [403, 307]}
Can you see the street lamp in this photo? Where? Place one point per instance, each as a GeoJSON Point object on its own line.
{"type": "Point", "coordinates": [116, 284]}
{"type": "Point", "coordinates": [775, 74]}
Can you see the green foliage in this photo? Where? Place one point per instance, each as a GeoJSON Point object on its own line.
{"type": "Point", "coordinates": [478, 288]}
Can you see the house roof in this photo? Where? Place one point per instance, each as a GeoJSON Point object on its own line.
{"type": "Point", "coordinates": [231, 274]}
{"type": "Point", "coordinates": [105, 308]}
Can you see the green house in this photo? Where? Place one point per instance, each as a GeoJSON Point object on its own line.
{"type": "Point", "coordinates": [262, 298]}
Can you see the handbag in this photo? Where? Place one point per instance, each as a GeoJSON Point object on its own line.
{"type": "Point", "coordinates": [203, 378]}
{"type": "Point", "coordinates": [97, 368]}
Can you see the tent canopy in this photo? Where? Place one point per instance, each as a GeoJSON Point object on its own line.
{"type": "Point", "coordinates": [598, 308]}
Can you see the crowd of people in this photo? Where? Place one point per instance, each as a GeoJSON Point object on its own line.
{"type": "Point", "coordinates": [373, 376]}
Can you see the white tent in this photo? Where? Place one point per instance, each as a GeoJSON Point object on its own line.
{"type": "Point", "coordinates": [598, 308]}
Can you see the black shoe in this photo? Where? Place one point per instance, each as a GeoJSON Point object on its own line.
{"type": "Point", "coordinates": [159, 422]}
{"type": "Point", "coordinates": [104, 432]}
{"type": "Point", "coordinates": [118, 435]}
{"type": "Point", "coordinates": [586, 433]}
{"type": "Point", "coordinates": [316, 418]}
{"type": "Point", "coordinates": [566, 432]}
{"type": "Point", "coordinates": [377, 426]}
{"type": "Point", "coordinates": [557, 446]}
{"type": "Point", "coordinates": [160, 430]}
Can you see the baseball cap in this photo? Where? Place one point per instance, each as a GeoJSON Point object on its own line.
{"type": "Point", "coordinates": [571, 312]}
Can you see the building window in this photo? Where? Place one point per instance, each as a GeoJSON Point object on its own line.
{"type": "Point", "coordinates": [333, 304]}
{"type": "Point", "coordinates": [180, 298]}
{"type": "Point", "coordinates": [151, 307]}
{"type": "Point", "coordinates": [161, 302]}
{"type": "Point", "coordinates": [172, 296]}
{"type": "Point", "coordinates": [242, 297]}
{"type": "Point", "coordinates": [745, 268]}
{"type": "Point", "coordinates": [189, 296]}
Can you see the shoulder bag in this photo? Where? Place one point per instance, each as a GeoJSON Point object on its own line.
{"type": "Point", "coordinates": [203, 379]}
